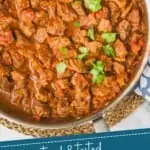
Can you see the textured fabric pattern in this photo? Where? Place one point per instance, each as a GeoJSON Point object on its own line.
{"type": "Point", "coordinates": [143, 87]}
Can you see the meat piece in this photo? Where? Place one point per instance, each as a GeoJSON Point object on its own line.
{"type": "Point", "coordinates": [78, 7]}
{"type": "Point", "coordinates": [121, 73]}
{"type": "Point", "coordinates": [79, 36]}
{"type": "Point", "coordinates": [119, 69]}
{"type": "Point", "coordinates": [6, 38]}
{"type": "Point", "coordinates": [63, 108]}
{"type": "Point", "coordinates": [27, 15]}
{"type": "Point", "coordinates": [137, 42]}
{"type": "Point", "coordinates": [137, 46]}
{"type": "Point", "coordinates": [79, 81]}
{"type": "Point", "coordinates": [107, 62]}
{"type": "Point", "coordinates": [19, 79]}
{"type": "Point", "coordinates": [63, 83]}
{"type": "Point", "coordinates": [98, 103]}
{"type": "Point", "coordinates": [134, 17]}
{"type": "Point", "coordinates": [100, 91]}
{"type": "Point", "coordinates": [3, 71]}
{"type": "Point", "coordinates": [41, 35]}
{"type": "Point", "coordinates": [35, 3]}
{"type": "Point", "coordinates": [9, 5]}
{"type": "Point", "coordinates": [20, 38]}
{"type": "Point", "coordinates": [71, 53]}
{"type": "Point", "coordinates": [57, 90]}
{"type": "Point", "coordinates": [65, 12]}
{"type": "Point", "coordinates": [6, 85]}
{"type": "Point", "coordinates": [124, 28]}
{"type": "Point", "coordinates": [44, 55]}
{"type": "Point", "coordinates": [77, 66]}
{"type": "Point", "coordinates": [115, 11]}
{"type": "Point", "coordinates": [5, 20]}
{"type": "Point", "coordinates": [18, 95]}
{"type": "Point", "coordinates": [82, 104]}
{"type": "Point", "coordinates": [39, 109]}
{"type": "Point", "coordinates": [41, 18]}
{"type": "Point", "coordinates": [105, 26]}
{"type": "Point", "coordinates": [42, 95]}
{"type": "Point", "coordinates": [121, 51]}
{"type": "Point", "coordinates": [127, 10]}
{"type": "Point", "coordinates": [108, 89]}
{"type": "Point", "coordinates": [56, 27]}
{"type": "Point", "coordinates": [121, 3]}
{"type": "Point", "coordinates": [67, 74]}
{"type": "Point", "coordinates": [58, 42]}
{"type": "Point", "coordinates": [6, 58]}
{"type": "Point", "coordinates": [17, 59]}
{"type": "Point", "coordinates": [26, 51]}
{"type": "Point", "coordinates": [20, 5]}
{"type": "Point", "coordinates": [94, 46]}
{"type": "Point", "coordinates": [135, 37]}
{"type": "Point", "coordinates": [103, 14]}
{"type": "Point", "coordinates": [27, 29]}
{"type": "Point", "coordinates": [50, 6]}
{"type": "Point", "coordinates": [88, 21]}
{"type": "Point", "coordinates": [40, 75]}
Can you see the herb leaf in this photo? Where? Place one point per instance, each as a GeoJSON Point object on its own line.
{"type": "Point", "coordinates": [109, 37]}
{"type": "Point", "coordinates": [91, 34]}
{"type": "Point", "coordinates": [98, 73]}
{"type": "Point", "coordinates": [84, 53]}
{"type": "Point", "coordinates": [61, 67]}
{"type": "Point", "coordinates": [109, 51]}
{"type": "Point", "coordinates": [99, 79]}
{"type": "Point", "coordinates": [76, 24]}
{"type": "Point", "coordinates": [93, 5]}
{"type": "Point", "coordinates": [81, 56]}
{"type": "Point", "coordinates": [83, 50]}
{"type": "Point", "coordinates": [64, 50]}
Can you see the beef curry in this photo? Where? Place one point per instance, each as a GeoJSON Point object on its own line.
{"type": "Point", "coordinates": [68, 58]}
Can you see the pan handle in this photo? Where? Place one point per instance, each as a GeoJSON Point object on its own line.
{"type": "Point", "coordinates": [100, 125]}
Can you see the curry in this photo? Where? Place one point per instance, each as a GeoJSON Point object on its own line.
{"type": "Point", "coordinates": [68, 58]}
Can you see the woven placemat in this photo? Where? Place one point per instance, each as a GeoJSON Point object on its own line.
{"type": "Point", "coordinates": [112, 117]}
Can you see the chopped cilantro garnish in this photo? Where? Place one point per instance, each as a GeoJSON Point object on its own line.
{"type": "Point", "coordinates": [64, 50]}
{"type": "Point", "coordinates": [61, 67]}
{"type": "Point", "coordinates": [98, 73]}
{"type": "Point", "coordinates": [76, 24]}
{"type": "Point", "coordinates": [91, 34]}
{"type": "Point", "coordinates": [109, 51]}
{"type": "Point", "coordinates": [84, 53]}
{"type": "Point", "coordinates": [93, 5]}
{"type": "Point", "coordinates": [109, 37]}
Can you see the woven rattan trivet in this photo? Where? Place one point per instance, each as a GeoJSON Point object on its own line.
{"type": "Point", "coordinates": [112, 117]}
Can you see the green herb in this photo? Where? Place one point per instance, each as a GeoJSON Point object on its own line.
{"type": "Point", "coordinates": [109, 37]}
{"type": "Point", "coordinates": [93, 5]}
{"type": "Point", "coordinates": [99, 79]}
{"type": "Point", "coordinates": [61, 67]}
{"type": "Point", "coordinates": [64, 50]}
{"type": "Point", "coordinates": [81, 56]}
{"type": "Point", "coordinates": [77, 24]}
{"type": "Point", "coordinates": [109, 51]}
{"type": "Point", "coordinates": [98, 73]}
{"type": "Point", "coordinates": [83, 50]}
{"type": "Point", "coordinates": [91, 34]}
{"type": "Point", "coordinates": [84, 53]}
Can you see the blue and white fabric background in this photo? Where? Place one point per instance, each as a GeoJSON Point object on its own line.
{"type": "Point", "coordinates": [137, 120]}
{"type": "Point", "coordinates": [143, 87]}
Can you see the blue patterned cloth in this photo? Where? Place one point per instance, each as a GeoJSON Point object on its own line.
{"type": "Point", "coordinates": [143, 87]}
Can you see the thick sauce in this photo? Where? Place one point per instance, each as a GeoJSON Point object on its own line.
{"type": "Point", "coordinates": [67, 58]}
